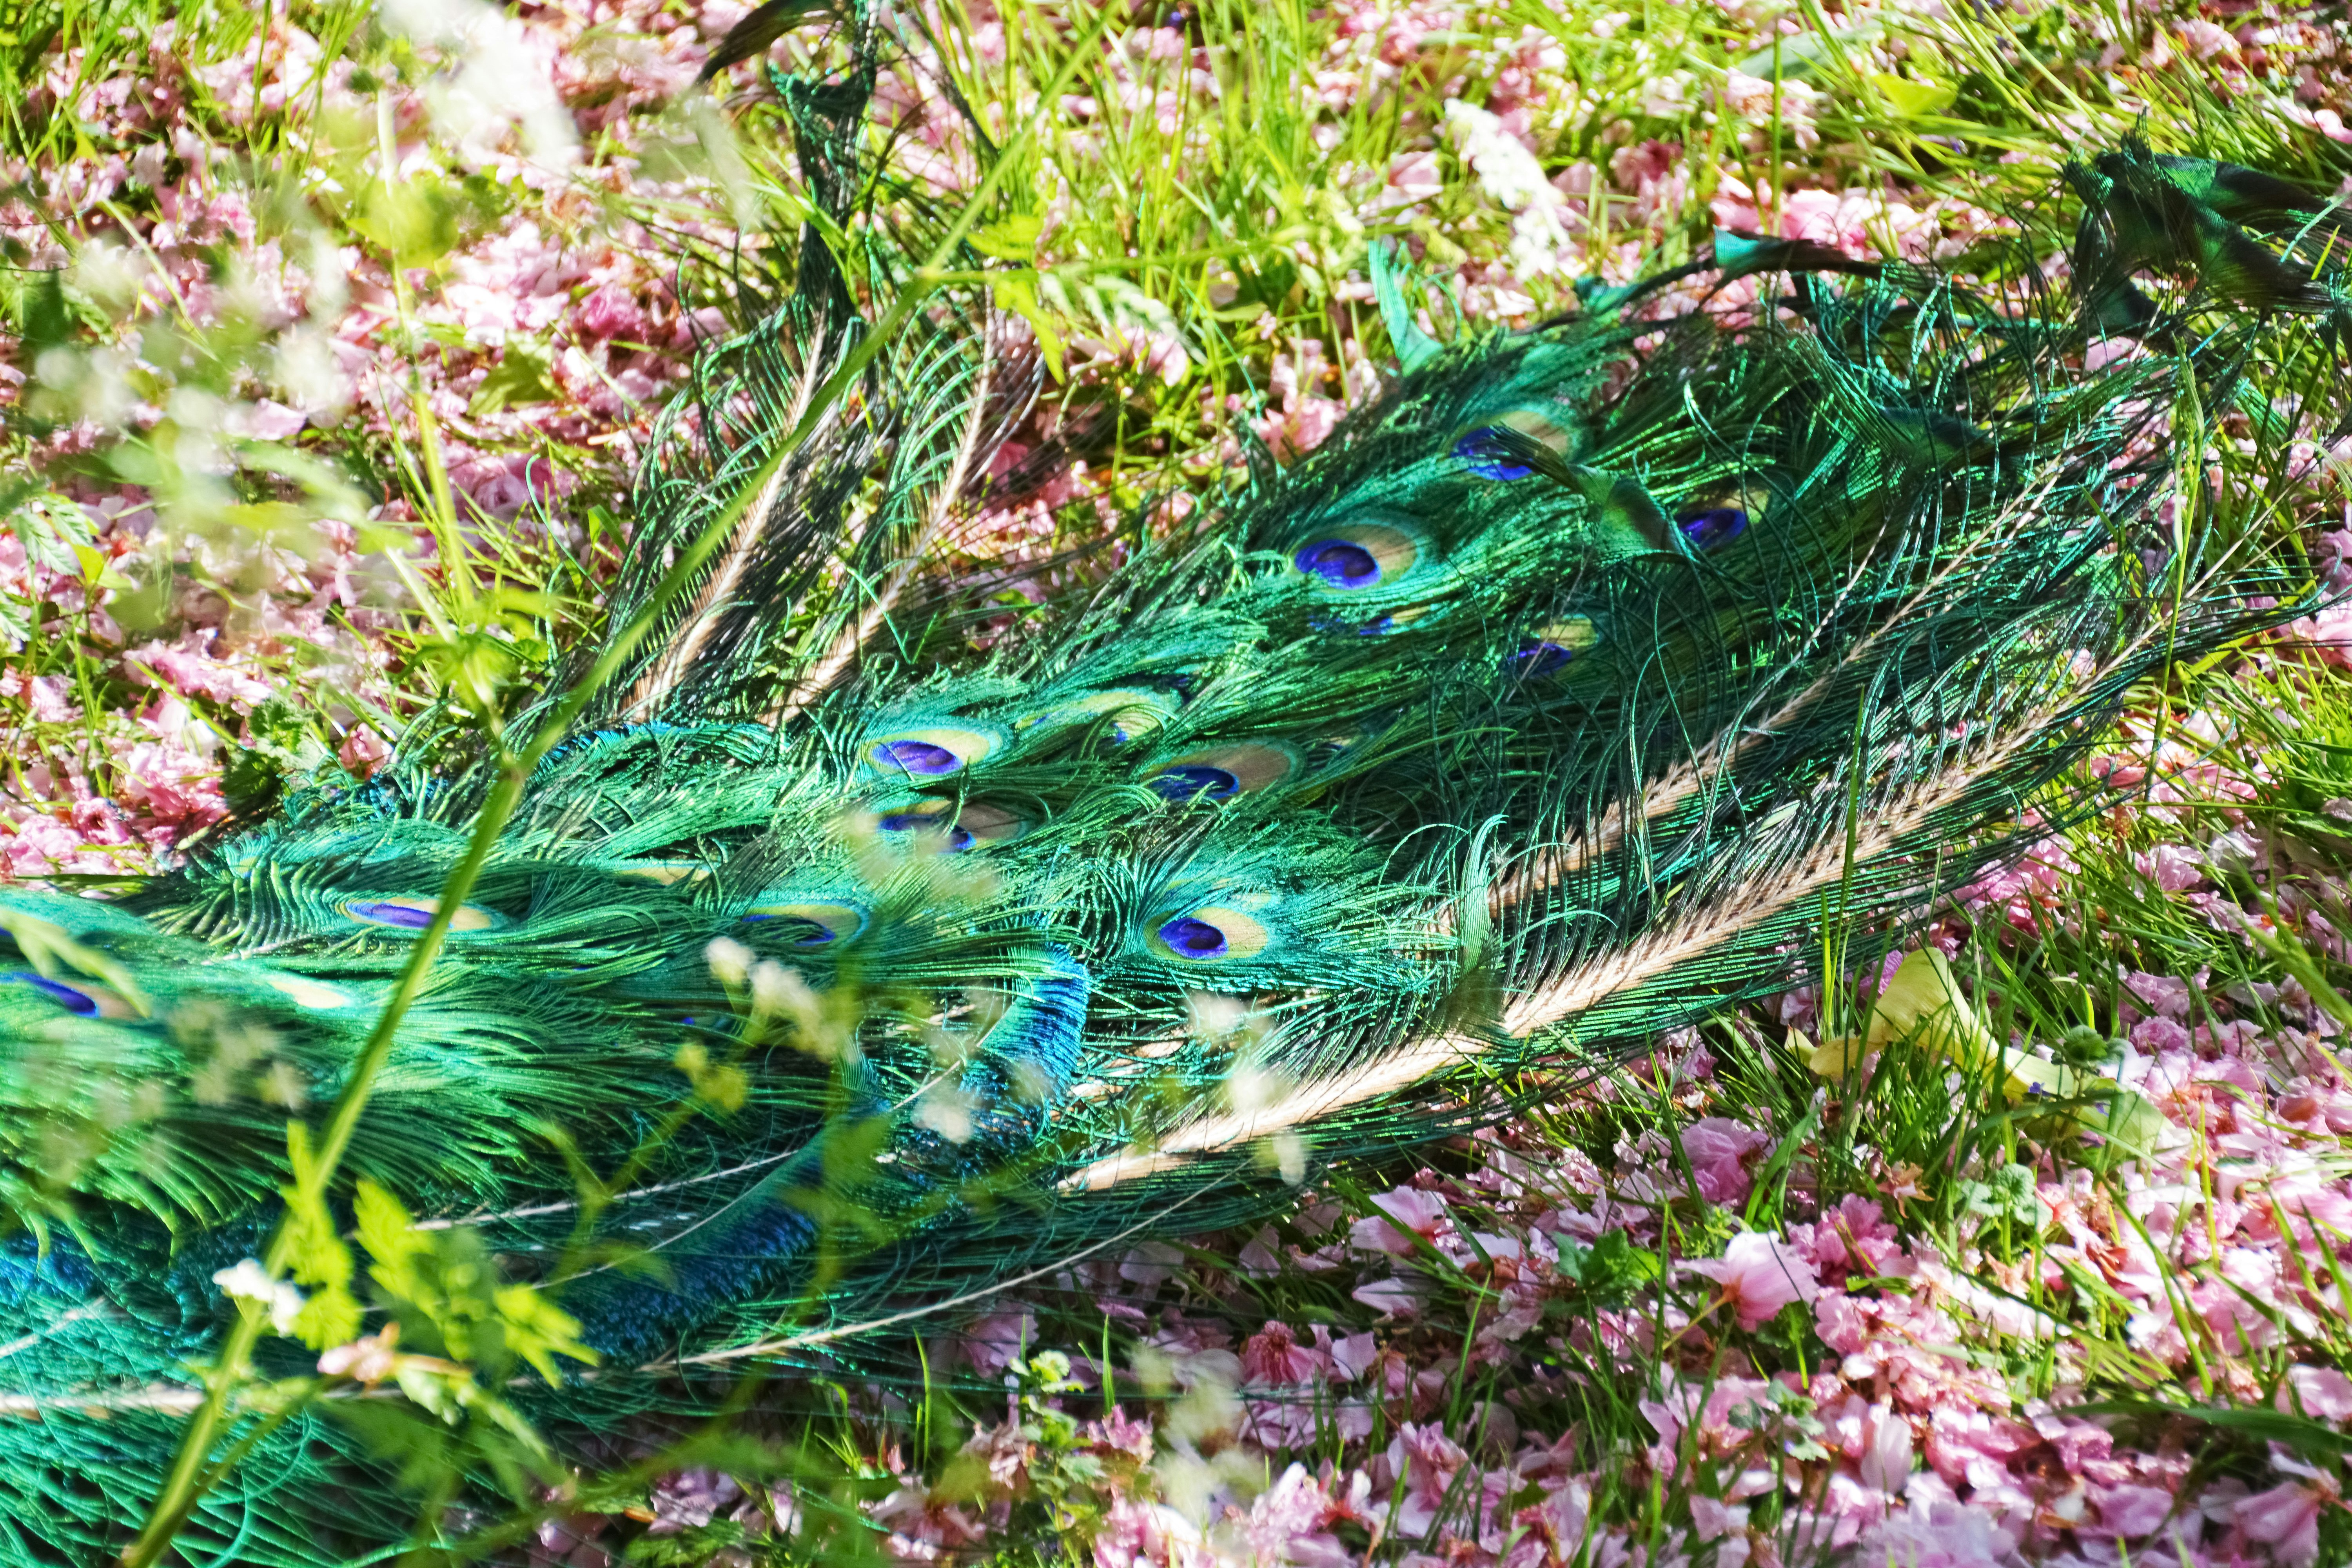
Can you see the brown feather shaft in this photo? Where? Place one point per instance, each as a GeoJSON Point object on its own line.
{"type": "Point", "coordinates": [846, 647]}
{"type": "Point", "coordinates": [1652, 956]}
{"type": "Point", "coordinates": [655, 687]}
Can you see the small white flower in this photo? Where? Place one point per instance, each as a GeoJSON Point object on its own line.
{"type": "Point", "coordinates": [1213, 1017]}
{"type": "Point", "coordinates": [775, 989]}
{"type": "Point", "coordinates": [247, 1280]}
{"type": "Point", "coordinates": [370, 1359]}
{"type": "Point", "coordinates": [1251, 1086]}
{"type": "Point", "coordinates": [1289, 1154]}
{"type": "Point", "coordinates": [502, 78]}
{"type": "Point", "coordinates": [947, 1110]}
{"type": "Point", "coordinates": [1511, 176]}
{"type": "Point", "coordinates": [730, 959]}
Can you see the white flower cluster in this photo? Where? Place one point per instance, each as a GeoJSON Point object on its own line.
{"type": "Point", "coordinates": [1509, 174]}
{"type": "Point", "coordinates": [247, 1280]}
{"type": "Point", "coordinates": [504, 77]}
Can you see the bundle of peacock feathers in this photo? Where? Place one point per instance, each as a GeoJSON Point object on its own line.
{"type": "Point", "coordinates": [819, 974]}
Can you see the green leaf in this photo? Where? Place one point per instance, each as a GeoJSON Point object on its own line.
{"type": "Point", "coordinates": [1611, 1269]}
{"type": "Point", "coordinates": [434, 1385]}
{"type": "Point", "coordinates": [1017, 291]}
{"type": "Point", "coordinates": [415, 222]}
{"type": "Point", "coordinates": [319, 1259]}
{"type": "Point", "coordinates": [724, 1087]}
{"type": "Point", "coordinates": [2297, 1432]}
{"type": "Point", "coordinates": [330, 1316]}
{"type": "Point", "coordinates": [1912, 99]}
{"type": "Point", "coordinates": [689, 1547]}
{"type": "Point", "coordinates": [416, 1448]}
{"type": "Point", "coordinates": [1010, 240]}
{"type": "Point", "coordinates": [285, 524]}
{"type": "Point", "coordinates": [848, 1154]}
{"type": "Point", "coordinates": [146, 602]}
{"type": "Point", "coordinates": [53, 531]}
{"type": "Point", "coordinates": [44, 320]}
{"type": "Point", "coordinates": [524, 374]}
{"type": "Point", "coordinates": [539, 1331]}
{"type": "Point", "coordinates": [391, 1240]}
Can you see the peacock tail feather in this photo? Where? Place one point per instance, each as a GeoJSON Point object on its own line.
{"type": "Point", "coordinates": [1556, 700]}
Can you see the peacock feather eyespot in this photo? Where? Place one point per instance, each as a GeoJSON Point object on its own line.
{"type": "Point", "coordinates": [1188, 936]}
{"type": "Point", "coordinates": [1537, 660]}
{"type": "Point", "coordinates": [1715, 527]}
{"type": "Point", "coordinates": [1213, 933]}
{"type": "Point", "coordinates": [1553, 647]}
{"type": "Point", "coordinates": [1341, 562]}
{"type": "Point", "coordinates": [926, 758]}
{"type": "Point", "coordinates": [936, 817]}
{"type": "Point", "coordinates": [309, 993]}
{"type": "Point", "coordinates": [662, 873]}
{"type": "Point", "coordinates": [933, 752]}
{"type": "Point", "coordinates": [811, 924]}
{"type": "Point", "coordinates": [956, 827]}
{"type": "Point", "coordinates": [990, 824]}
{"type": "Point", "coordinates": [1189, 780]}
{"type": "Point", "coordinates": [1495, 448]}
{"type": "Point", "coordinates": [1222, 773]}
{"type": "Point", "coordinates": [64, 995]}
{"type": "Point", "coordinates": [415, 914]}
{"type": "Point", "coordinates": [1136, 711]}
{"type": "Point", "coordinates": [1538, 425]}
{"type": "Point", "coordinates": [82, 997]}
{"type": "Point", "coordinates": [1367, 553]}
{"type": "Point", "coordinates": [1487, 453]}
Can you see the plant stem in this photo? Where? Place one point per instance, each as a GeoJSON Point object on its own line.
{"type": "Point", "coordinates": [187, 1483]}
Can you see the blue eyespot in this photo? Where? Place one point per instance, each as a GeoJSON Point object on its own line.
{"type": "Point", "coordinates": [415, 914]}
{"type": "Point", "coordinates": [814, 934]}
{"type": "Point", "coordinates": [66, 997]}
{"type": "Point", "coordinates": [810, 925]}
{"type": "Point", "coordinates": [1706, 529]}
{"type": "Point", "coordinates": [932, 752]}
{"type": "Point", "coordinates": [1540, 658]}
{"type": "Point", "coordinates": [407, 916]}
{"type": "Point", "coordinates": [1487, 453]}
{"type": "Point", "coordinates": [1189, 780]}
{"type": "Point", "coordinates": [956, 837]}
{"type": "Point", "coordinates": [1547, 649]}
{"type": "Point", "coordinates": [924, 758]}
{"type": "Point", "coordinates": [1209, 934]}
{"type": "Point", "coordinates": [1341, 562]}
{"type": "Point", "coordinates": [1192, 938]}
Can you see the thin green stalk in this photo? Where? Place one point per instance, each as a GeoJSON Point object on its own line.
{"type": "Point", "coordinates": [181, 1490]}
{"type": "Point", "coordinates": [187, 1481]}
